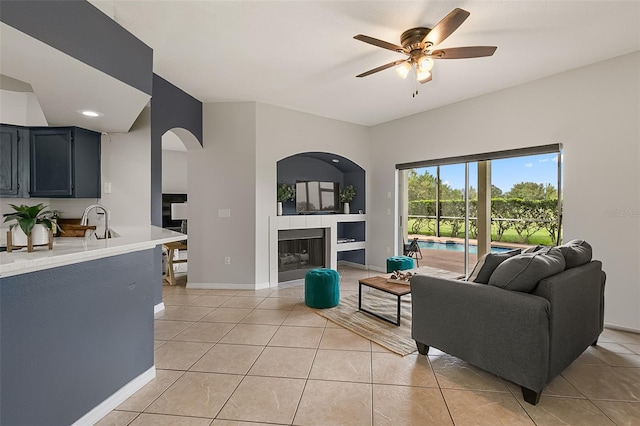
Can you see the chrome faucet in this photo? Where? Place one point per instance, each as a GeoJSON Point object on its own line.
{"type": "Point", "coordinates": [85, 218]}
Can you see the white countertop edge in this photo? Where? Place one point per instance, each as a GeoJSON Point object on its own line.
{"type": "Point", "coordinates": [77, 250]}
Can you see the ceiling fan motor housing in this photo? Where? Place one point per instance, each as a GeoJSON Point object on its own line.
{"type": "Point", "coordinates": [412, 38]}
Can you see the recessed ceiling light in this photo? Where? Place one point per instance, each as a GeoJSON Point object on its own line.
{"type": "Point", "coordinates": [335, 160]}
{"type": "Point", "coordinates": [89, 113]}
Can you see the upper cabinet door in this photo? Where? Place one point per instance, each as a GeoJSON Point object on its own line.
{"type": "Point", "coordinates": [9, 185]}
{"type": "Point", "coordinates": [51, 162]}
{"type": "Point", "coordinates": [86, 164]}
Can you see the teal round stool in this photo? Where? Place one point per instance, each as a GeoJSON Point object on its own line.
{"type": "Point", "coordinates": [399, 263]}
{"type": "Point", "coordinates": [322, 288]}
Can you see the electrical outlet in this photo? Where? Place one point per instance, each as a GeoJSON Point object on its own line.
{"type": "Point", "coordinates": [388, 250]}
{"type": "Point", "coordinates": [388, 212]}
{"type": "Point", "coordinates": [107, 187]}
{"type": "Point", "coordinates": [227, 260]}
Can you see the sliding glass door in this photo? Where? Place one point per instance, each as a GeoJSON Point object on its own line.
{"type": "Point", "coordinates": [460, 210]}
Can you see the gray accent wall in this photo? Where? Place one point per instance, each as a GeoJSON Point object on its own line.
{"type": "Point", "coordinates": [74, 335]}
{"type": "Point", "coordinates": [80, 30]}
{"type": "Point", "coordinates": [303, 167]}
{"type": "Point", "coordinates": [170, 108]}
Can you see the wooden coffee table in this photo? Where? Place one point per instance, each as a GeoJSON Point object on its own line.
{"type": "Point", "coordinates": [380, 283]}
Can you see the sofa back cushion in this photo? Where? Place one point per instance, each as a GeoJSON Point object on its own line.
{"type": "Point", "coordinates": [534, 249]}
{"type": "Point", "coordinates": [576, 253]}
{"type": "Point", "coordinates": [487, 264]}
{"type": "Point", "coordinates": [522, 272]}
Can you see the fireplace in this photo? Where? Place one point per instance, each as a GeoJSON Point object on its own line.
{"type": "Point", "coordinates": [300, 250]}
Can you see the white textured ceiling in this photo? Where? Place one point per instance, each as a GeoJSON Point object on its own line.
{"type": "Point", "coordinates": [64, 85]}
{"type": "Point", "coordinates": [302, 55]}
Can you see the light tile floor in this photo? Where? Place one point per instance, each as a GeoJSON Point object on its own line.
{"type": "Point", "coordinates": [227, 357]}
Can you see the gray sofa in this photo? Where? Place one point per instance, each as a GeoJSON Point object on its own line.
{"type": "Point", "coordinates": [525, 335]}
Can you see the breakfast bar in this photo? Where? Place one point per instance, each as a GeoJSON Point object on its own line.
{"type": "Point", "coordinates": [76, 329]}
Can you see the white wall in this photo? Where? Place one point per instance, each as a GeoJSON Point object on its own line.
{"type": "Point", "coordinates": [174, 172]}
{"type": "Point", "coordinates": [236, 170]}
{"type": "Point", "coordinates": [593, 111]}
{"type": "Point", "coordinates": [281, 133]}
{"type": "Point", "coordinates": [21, 109]}
{"type": "Point", "coordinates": [126, 163]}
{"type": "Point", "coordinates": [222, 177]}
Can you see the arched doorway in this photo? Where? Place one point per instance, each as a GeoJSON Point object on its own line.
{"type": "Point", "coordinates": [175, 194]}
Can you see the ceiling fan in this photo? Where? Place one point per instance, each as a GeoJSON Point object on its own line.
{"type": "Point", "coordinates": [418, 44]}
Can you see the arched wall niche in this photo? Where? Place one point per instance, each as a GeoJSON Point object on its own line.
{"type": "Point", "coordinates": [326, 167]}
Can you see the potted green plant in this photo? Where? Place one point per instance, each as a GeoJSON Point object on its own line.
{"type": "Point", "coordinates": [30, 220]}
{"type": "Point", "coordinates": [285, 193]}
{"type": "Point", "coordinates": [346, 196]}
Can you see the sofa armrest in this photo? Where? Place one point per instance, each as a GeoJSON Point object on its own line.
{"type": "Point", "coordinates": [576, 298]}
{"type": "Point", "coordinates": [501, 331]}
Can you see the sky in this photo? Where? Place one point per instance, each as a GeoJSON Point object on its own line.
{"type": "Point", "coordinates": [505, 173]}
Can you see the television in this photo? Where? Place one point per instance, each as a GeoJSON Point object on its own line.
{"type": "Point", "coordinates": [315, 196]}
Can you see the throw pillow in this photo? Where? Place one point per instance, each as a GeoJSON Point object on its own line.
{"type": "Point", "coordinates": [576, 253]}
{"type": "Point", "coordinates": [522, 272]}
{"type": "Point", "coordinates": [487, 264]}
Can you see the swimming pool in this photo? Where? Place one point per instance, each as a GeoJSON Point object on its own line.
{"type": "Point", "coordinates": [457, 247]}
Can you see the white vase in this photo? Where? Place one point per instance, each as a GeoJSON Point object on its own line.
{"type": "Point", "coordinates": [279, 208]}
{"type": "Point", "coordinates": [346, 208]}
{"type": "Point", "coordinates": [39, 235]}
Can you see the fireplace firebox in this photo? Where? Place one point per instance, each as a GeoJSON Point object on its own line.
{"type": "Point", "coordinates": [300, 250]}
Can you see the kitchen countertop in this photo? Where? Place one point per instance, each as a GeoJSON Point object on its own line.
{"type": "Point", "coordinates": [69, 250]}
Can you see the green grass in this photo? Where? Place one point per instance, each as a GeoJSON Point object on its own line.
{"type": "Point", "coordinates": [509, 236]}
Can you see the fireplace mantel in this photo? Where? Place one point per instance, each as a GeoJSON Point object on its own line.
{"type": "Point", "coordinates": [330, 223]}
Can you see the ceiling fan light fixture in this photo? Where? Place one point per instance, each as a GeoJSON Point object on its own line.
{"type": "Point", "coordinates": [425, 64]}
{"type": "Point", "coordinates": [404, 69]}
{"type": "Point", "coordinates": [423, 76]}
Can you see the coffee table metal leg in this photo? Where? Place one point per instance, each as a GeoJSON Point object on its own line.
{"type": "Point", "coordinates": [360, 308]}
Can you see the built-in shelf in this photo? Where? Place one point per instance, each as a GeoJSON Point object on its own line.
{"type": "Point", "coordinates": [356, 245]}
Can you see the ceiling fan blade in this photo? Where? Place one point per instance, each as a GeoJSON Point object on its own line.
{"type": "Point", "coordinates": [380, 43]}
{"type": "Point", "coordinates": [446, 26]}
{"type": "Point", "coordinates": [380, 68]}
{"type": "Point", "coordinates": [427, 79]}
{"type": "Point", "coordinates": [463, 52]}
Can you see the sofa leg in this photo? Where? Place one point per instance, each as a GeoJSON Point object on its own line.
{"type": "Point", "coordinates": [422, 348]}
{"type": "Point", "coordinates": [595, 343]}
{"type": "Point", "coordinates": [530, 396]}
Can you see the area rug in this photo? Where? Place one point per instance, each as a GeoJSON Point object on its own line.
{"type": "Point", "coordinates": [395, 338]}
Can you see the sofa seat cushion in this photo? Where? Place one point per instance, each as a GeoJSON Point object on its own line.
{"type": "Point", "coordinates": [522, 272]}
{"type": "Point", "coordinates": [487, 264]}
{"type": "Point", "coordinates": [576, 253]}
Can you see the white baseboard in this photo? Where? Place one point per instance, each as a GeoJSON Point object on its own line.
{"type": "Point", "coordinates": [622, 328]}
{"type": "Point", "coordinates": [227, 286]}
{"type": "Point", "coordinates": [106, 406]}
{"type": "Point", "coordinates": [158, 308]}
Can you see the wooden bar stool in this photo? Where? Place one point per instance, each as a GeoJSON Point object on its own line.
{"type": "Point", "coordinates": [171, 248]}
